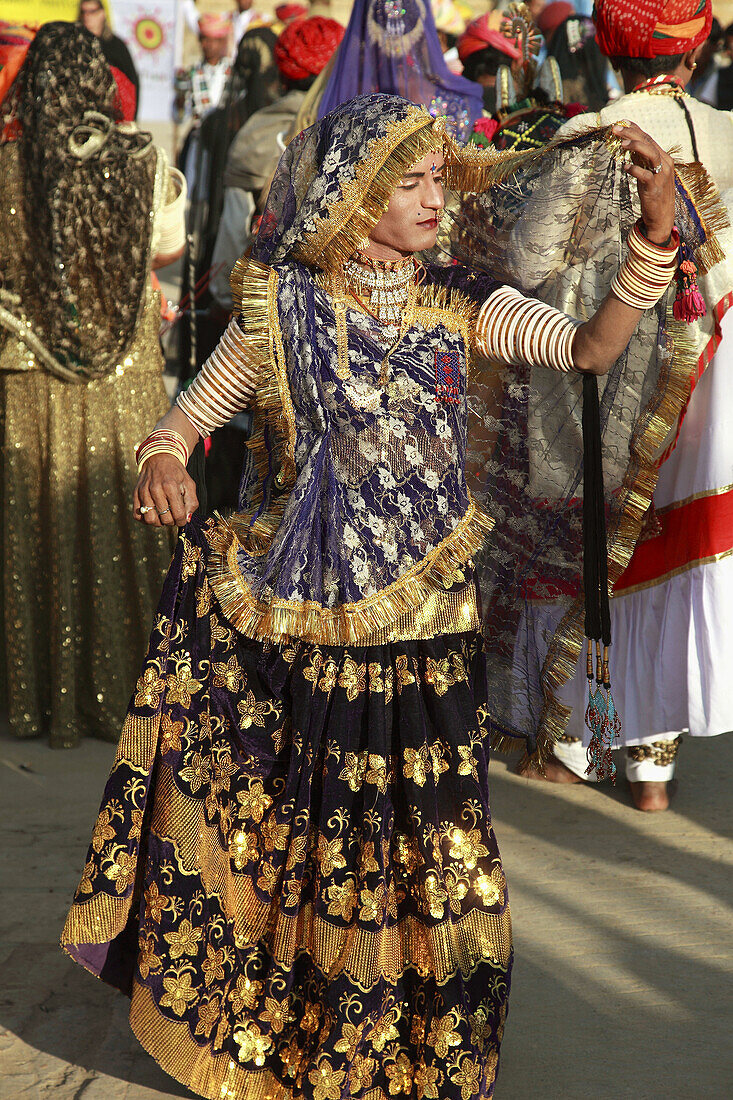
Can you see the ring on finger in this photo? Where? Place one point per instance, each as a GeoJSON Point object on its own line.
{"type": "Point", "coordinates": [657, 168]}
{"type": "Point", "coordinates": [145, 508]}
{"type": "Point", "coordinates": [163, 512]}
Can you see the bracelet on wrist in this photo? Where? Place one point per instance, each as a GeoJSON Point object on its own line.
{"type": "Point", "coordinates": [162, 441]}
{"type": "Point", "coordinates": [646, 272]}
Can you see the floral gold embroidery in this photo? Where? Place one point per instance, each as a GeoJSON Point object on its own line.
{"type": "Point", "coordinates": [439, 675]}
{"type": "Point", "coordinates": [253, 1045]}
{"type": "Point", "coordinates": [149, 687]}
{"type": "Point", "coordinates": [228, 674]}
{"type": "Point", "coordinates": [121, 870]}
{"type": "Point", "coordinates": [329, 855]}
{"type": "Point", "coordinates": [251, 712]}
{"type": "Point", "coordinates": [467, 846]}
{"type": "Point", "coordinates": [184, 941]}
{"type": "Point", "coordinates": [443, 1034]}
{"type": "Point", "coordinates": [181, 685]}
{"type": "Point", "coordinates": [254, 801]}
{"type": "Point", "coordinates": [178, 992]}
{"type": "Point", "coordinates": [170, 734]}
{"type": "Point", "coordinates": [147, 961]}
{"type": "Point", "coordinates": [355, 769]}
{"type": "Point", "coordinates": [342, 900]}
{"type": "Point", "coordinates": [352, 678]}
{"type": "Point", "coordinates": [326, 1081]}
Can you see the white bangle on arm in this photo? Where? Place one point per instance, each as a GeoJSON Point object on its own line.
{"type": "Point", "coordinates": [223, 387]}
{"type": "Point", "coordinates": [513, 329]}
{"type": "Point", "coordinates": [646, 272]}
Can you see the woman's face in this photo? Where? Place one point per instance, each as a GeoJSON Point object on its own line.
{"type": "Point", "coordinates": [91, 15]}
{"type": "Point", "coordinates": [410, 222]}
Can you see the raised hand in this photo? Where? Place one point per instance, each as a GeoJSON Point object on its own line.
{"type": "Point", "coordinates": [653, 170]}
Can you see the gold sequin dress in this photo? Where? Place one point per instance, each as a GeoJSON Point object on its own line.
{"type": "Point", "coordinates": [81, 578]}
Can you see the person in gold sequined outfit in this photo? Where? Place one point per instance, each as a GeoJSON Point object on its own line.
{"type": "Point", "coordinates": [293, 873]}
{"type": "Point", "coordinates": [82, 202]}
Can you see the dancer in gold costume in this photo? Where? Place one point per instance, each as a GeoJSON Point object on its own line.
{"type": "Point", "coordinates": [294, 872]}
{"type": "Point", "coordinates": [82, 202]}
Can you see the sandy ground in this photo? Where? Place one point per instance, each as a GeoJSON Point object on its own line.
{"type": "Point", "coordinates": [622, 985]}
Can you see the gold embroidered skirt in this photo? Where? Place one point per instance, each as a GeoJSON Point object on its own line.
{"type": "Point", "coordinates": [294, 872]}
{"type": "Point", "coordinates": [81, 578]}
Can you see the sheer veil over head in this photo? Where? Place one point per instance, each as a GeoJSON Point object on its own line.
{"type": "Point", "coordinates": [393, 47]}
{"type": "Point", "coordinates": [86, 191]}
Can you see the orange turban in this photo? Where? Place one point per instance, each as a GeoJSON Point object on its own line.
{"type": "Point", "coordinates": [651, 28]}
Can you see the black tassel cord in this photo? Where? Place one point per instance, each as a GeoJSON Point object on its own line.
{"type": "Point", "coordinates": [600, 715]}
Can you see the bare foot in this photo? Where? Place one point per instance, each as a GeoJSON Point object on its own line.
{"type": "Point", "coordinates": [554, 771]}
{"type": "Point", "coordinates": [650, 796]}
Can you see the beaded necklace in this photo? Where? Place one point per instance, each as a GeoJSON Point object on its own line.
{"type": "Point", "coordinates": [672, 86]}
{"type": "Point", "coordinates": [385, 284]}
{"type": "Point", "coordinates": [386, 290]}
{"type": "Point", "coordinates": [665, 84]}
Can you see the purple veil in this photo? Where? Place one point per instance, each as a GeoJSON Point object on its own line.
{"type": "Point", "coordinates": [392, 46]}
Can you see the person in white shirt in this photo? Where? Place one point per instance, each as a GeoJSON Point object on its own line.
{"type": "Point", "coordinates": [672, 607]}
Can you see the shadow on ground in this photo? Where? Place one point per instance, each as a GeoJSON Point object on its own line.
{"type": "Point", "coordinates": [622, 926]}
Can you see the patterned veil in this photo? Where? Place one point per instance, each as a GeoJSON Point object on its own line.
{"type": "Point", "coordinates": [553, 224]}
{"type": "Point", "coordinates": [393, 47]}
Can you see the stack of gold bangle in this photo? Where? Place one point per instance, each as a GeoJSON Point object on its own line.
{"type": "Point", "coordinates": [162, 442]}
{"type": "Point", "coordinates": [646, 272]}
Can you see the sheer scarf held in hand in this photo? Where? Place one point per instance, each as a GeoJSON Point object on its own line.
{"type": "Point", "coordinates": [554, 225]}
{"type": "Point", "coordinates": [556, 230]}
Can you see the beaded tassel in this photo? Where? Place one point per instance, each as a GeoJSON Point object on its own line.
{"type": "Point", "coordinates": [689, 304]}
{"type": "Point", "coordinates": [601, 717]}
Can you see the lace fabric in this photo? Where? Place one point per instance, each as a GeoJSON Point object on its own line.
{"type": "Point", "coordinates": [556, 230]}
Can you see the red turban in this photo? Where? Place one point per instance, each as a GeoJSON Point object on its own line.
{"type": "Point", "coordinates": [287, 12]}
{"type": "Point", "coordinates": [552, 15]}
{"type": "Point", "coordinates": [305, 47]}
{"type": "Point", "coordinates": [484, 32]}
{"type": "Point", "coordinates": [651, 28]}
{"type": "Point", "coordinates": [126, 94]}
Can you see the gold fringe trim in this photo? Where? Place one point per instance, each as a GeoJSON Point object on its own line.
{"type": "Point", "coordinates": [637, 489]}
{"type": "Point", "coordinates": [254, 293]}
{"type": "Point", "coordinates": [471, 168]}
{"type": "Point", "coordinates": [503, 743]}
{"type": "Point", "coordinates": [365, 957]}
{"type": "Point", "coordinates": [710, 209]}
{"type": "Point", "coordinates": [215, 1076]}
{"type": "Point", "coordinates": [348, 624]}
{"type": "Point", "coordinates": [98, 920]}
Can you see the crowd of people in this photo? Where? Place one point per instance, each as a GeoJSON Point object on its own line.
{"type": "Point", "coordinates": [450, 447]}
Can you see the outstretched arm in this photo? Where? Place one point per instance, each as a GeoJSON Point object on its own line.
{"type": "Point", "coordinates": [512, 328]}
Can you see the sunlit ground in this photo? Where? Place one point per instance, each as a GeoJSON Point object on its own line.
{"type": "Point", "coordinates": [623, 929]}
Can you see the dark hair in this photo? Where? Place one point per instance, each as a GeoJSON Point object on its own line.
{"type": "Point", "coordinates": [728, 32]}
{"type": "Point", "coordinates": [89, 210]}
{"type": "Point", "coordinates": [302, 85]}
{"type": "Point", "coordinates": [484, 63]}
{"type": "Point", "coordinates": [648, 66]}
